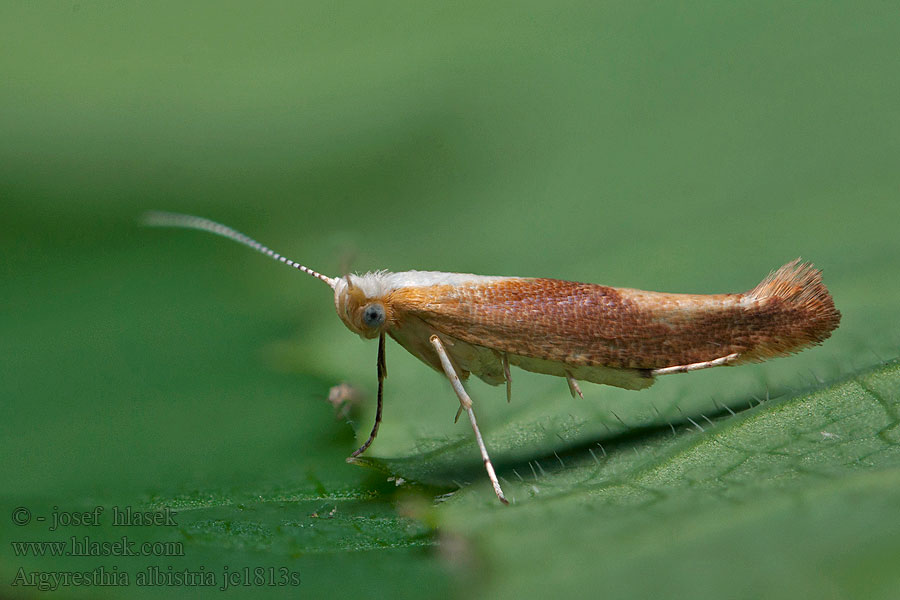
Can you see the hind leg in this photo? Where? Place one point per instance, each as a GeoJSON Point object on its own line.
{"type": "Point", "coordinates": [719, 362]}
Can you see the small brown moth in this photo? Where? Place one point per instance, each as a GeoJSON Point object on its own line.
{"type": "Point", "coordinates": [463, 325]}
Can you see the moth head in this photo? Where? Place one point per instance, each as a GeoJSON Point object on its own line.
{"type": "Point", "coordinates": [361, 305]}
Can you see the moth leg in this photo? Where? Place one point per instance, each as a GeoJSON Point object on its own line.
{"type": "Point", "coordinates": [503, 357]}
{"type": "Point", "coordinates": [505, 361]}
{"type": "Point", "coordinates": [725, 360]}
{"type": "Point", "coordinates": [381, 368]}
{"type": "Point", "coordinates": [466, 404]}
{"type": "Point", "coordinates": [573, 386]}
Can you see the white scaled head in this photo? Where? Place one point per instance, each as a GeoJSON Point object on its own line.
{"type": "Point", "coordinates": [363, 303]}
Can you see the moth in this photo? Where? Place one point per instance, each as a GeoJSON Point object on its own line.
{"type": "Point", "coordinates": [463, 325]}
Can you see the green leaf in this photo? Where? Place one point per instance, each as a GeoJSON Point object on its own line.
{"type": "Point", "coordinates": [796, 497]}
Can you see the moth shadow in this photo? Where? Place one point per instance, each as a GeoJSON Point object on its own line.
{"type": "Point", "coordinates": [458, 465]}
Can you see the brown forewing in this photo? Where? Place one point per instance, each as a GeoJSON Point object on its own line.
{"type": "Point", "coordinates": [588, 324]}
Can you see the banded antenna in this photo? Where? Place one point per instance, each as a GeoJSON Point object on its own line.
{"type": "Point", "coordinates": [166, 219]}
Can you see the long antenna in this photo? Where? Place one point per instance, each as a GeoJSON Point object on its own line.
{"type": "Point", "coordinates": [166, 219]}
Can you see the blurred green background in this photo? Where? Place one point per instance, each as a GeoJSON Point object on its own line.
{"type": "Point", "coordinates": [668, 146]}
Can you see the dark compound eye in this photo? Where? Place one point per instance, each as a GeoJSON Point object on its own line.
{"type": "Point", "coordinates": [373, 315]}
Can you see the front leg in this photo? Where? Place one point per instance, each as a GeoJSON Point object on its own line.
{"type": "Point", "coordinates": [381, 368]}
{"type": "Point", "coordinates": [466, 404]}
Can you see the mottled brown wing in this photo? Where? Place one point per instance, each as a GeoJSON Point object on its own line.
{"type": "Point", "coordinates": [574, 323]}
{"type": "Point", "coordinates": [585, 324]}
